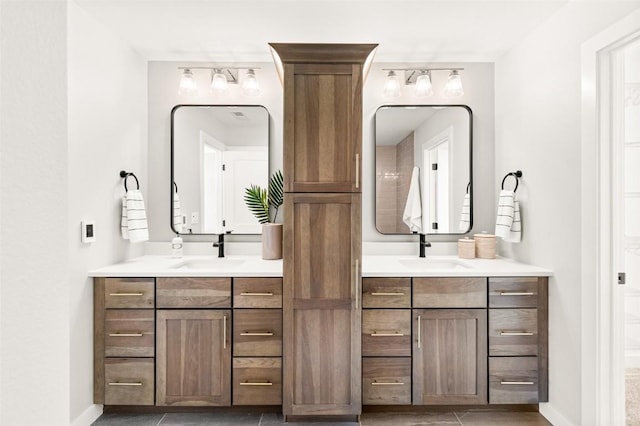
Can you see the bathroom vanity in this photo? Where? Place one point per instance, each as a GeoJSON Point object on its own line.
{"type": "Point", "coordinates": [203, 331]}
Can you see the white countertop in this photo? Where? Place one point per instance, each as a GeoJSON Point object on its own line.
{"type": "Point", "coordinates": [372, 266]}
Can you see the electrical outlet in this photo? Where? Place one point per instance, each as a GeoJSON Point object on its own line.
{"type": "Point", "coordinates": [195, 217]}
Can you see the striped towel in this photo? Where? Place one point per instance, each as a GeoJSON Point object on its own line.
{"type": "Point", "coordinates": [134, 218]}
{"type": "Point", "coordinates": [465, 216]}
{"type": "Point", "coordinates": [508, 223]}
{"type": "Point", "coordinates": [177, 214]}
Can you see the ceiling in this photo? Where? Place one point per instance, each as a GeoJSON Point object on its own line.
{"type": "Point", "coordinates": [239, 30]}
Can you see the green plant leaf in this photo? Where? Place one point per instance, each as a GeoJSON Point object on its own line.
{"type": "Point", "coordinates": [276, 192]}
{"type": "Point", "coordinates": [256, 199]}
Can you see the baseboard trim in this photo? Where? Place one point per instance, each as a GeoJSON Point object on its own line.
{"type": "Point", "coordinates": [550, 413]}
{"type": "Point", "coordinates": [88, 416]}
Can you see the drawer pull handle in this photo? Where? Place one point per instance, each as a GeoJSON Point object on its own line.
{"type": "Point", "coordinates": [256, 294]}
{"type": "Point", "coordinates": [357, 170]}
{"type": "Point", "coordinates": [391, 293]}
{"type": "Point", "coordinates": [419, 331]}
{"type": "Point", "coordinates": [125, 384]}
{"type": "Point", "coordinates": [125, 334]}
{"type": "Point", "coordinates": [256, 384]}
{"type": "Point", "coordinates": [516, 333]}
{"type": "Point", "coordinates": [224, 332]}
{"type": "Point", "coordinates": [126, 294]}
{"type": "Point", "coordinates": [387, 383]}
{"type": "Point", "coordinates": [517, 383]}
{"type": "Point", "coordinates": [256, 333]}
{"type": "Point", "coordinates": [395, 334]}
{"type": "Point", "coordinates": [516, 293]}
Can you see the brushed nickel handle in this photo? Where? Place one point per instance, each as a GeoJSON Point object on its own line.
{"type": "Point", "coordinates": [387, 383]}
{"type": "Point", "coordinates": [391, 293]}
{"type": "Point", "coordinates": [256, 333]}
{"type": "Point", "coordinates": [126, 294]}
{"type": "Point", "coordinates": [125, 384]}
{"type": "Point", "coordinates": [224, 332]}
{"type": "Point", "coordinates": [376, 334]}
{"type": "Point", "coordinates": [256, 384]}
{"type": "Point", "coordinates": [256, 294]}
{"type": "Point", "coordinates": [516, 333]}
{"type": "Point", "coordinates": [125, 334]}
{"type": "Point", "coordinates": [357, 170]}
{"type": "Point", "coordinates": [516, 293]}
{"type": "Point", "coordinates": [418, 331]}
{"type": "Point", "coordinates": [517, 383]}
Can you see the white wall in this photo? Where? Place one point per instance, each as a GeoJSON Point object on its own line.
{"type": "Point", "coordinates": [34, 237]}
{"type": "Point", "coordinates": [478, 82]}
{"type": "Point", "coordinates": [107, 133]}
{"type": "Point", "coordinates": [538, 124]}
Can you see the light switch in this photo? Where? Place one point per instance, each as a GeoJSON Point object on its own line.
{"type": "Point", "coordinates": [88, 228]}
{"type": "Point", "coordinates": [195, 218]}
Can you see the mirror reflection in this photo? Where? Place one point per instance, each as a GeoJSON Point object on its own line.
{"type": "Point", "coordinates": [423, 169]}
{"type": "Point", "coordinates": [216, 152]}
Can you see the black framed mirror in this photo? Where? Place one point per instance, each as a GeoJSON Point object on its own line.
{"type": "Point", "coordinates": [216, 152]}
{"type": "Point", "coordinates": [423, 165]}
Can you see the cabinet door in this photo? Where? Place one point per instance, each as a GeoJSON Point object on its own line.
{"type": "Point", "coordinates": [323, 127]}
{"type": "Point", "coordinates": [193, 357]}
{"type": "Point", "coordinates": [450, 356]}
{"type": "Point", "coordinates": [322, 345]}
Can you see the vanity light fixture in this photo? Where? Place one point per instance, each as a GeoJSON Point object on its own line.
{"type": "Point", "coordinates": [421, 79]}
{"type": "Point", "coordinates": [221, 78]}
{"type": "Point", "coordinates": [392, 85]}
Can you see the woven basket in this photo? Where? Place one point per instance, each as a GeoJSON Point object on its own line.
{"type": "Point", "coordinates": [466, 248]}
{"type": "Point", "coordinates": [485, 246]}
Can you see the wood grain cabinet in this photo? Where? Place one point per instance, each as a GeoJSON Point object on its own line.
{"type": "Point", "coordinates": [322, 236]}
{"type": "Point", "coordinates": [124, 341]}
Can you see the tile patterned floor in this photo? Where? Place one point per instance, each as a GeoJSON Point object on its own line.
{"type": "Point", "coordinates": [467, 418]}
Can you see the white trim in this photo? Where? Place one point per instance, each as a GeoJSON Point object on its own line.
{"type": "Point", "coordinates": [597, 295]}
{"type": "Point", "coordinates": [550, 413]}
{"type": "Point", "coordinates": [88, 416]}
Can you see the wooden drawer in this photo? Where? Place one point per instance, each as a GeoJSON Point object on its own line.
{"type": "Point", "coordinates": [386, 292]}
{"type": "Point", "coordinates": [386, 381]}
{"type": "Point", "coordinates": [449, 292]}
{"type": "Point", "coordinates": [386, 332]}
{"type": "Point", "coordinates": [129, 381]}
{"type": "Point", "coordinates": [257, 332]}
{"type": "Point", "coordinates": [513, 332]}
{"type": "Point", "coordinates": [257, 292]}
{"type": "Point", "coordinates": [513, 292]}
{"type": "Point", "coordinates": [129, 293]}
{"type": "Point", "coordinates": [193, 292]}
{"type": "Point", "coordinates": [513, 380]}
{"type": "Point", "coordinates": [129, 333]}
{"type": "Point", "coordinates": [257, 381]}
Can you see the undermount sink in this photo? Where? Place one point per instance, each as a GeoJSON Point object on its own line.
{"type": "Point", "coordinates": [427, 263]}
{"type": "Point", "coordinates": [209, 263]}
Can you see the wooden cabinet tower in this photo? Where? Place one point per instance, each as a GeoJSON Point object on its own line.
{"type": "Point", "coordinates": [322, 229]}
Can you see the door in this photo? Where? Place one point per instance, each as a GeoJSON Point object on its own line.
{"type": "Point", "coordinates": [324, 104]}
{"type": "Point", "coordinates": [450, 356]}
{"type": "Point", "coordinates": [193, 357]}
{"type": "Point", "coordinates": [322, 348]}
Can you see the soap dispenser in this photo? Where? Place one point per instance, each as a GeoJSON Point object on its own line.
{"type": "Point", "coordinates": [176, 246]}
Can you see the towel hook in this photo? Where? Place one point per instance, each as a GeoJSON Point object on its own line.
{"type": "Point", "coordinates": [468, 186]}
{"type": "Point", "coordinates": [124, 175]}
{"type": "Point", "coordinates": [175, 186]}
{"type": "Point", "coordinates": [517, 174]}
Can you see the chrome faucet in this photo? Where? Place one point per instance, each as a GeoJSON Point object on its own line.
{"type": "Point", "coordinates": [220, 245]}
{"type": "Point", "coordinates": [423, 243]}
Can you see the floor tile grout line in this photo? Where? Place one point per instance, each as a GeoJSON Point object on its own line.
{"type": "Point", "coordinates": [161, 419]}
{"type": "Point", "coordinates": [260, 419]}
{"type": "Point", "coordinates": [459, 421]}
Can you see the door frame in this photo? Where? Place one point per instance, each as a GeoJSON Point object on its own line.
{"type": "Point", "coordinates": [602, 349]}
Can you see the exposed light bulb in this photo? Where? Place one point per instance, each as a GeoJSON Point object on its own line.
{"type": "Point", "coordinates": [392, 85]}
{"type": "Point", "coordinates": [187, 84]}
{"type": "Point", "coordinates": [423, 87]}
{"type": "Point", "coordinates": [218, 82]}
{"type": "Point", "coordinates": [453, 89]}
{"type": "Point", "coordinates": [250, 86]}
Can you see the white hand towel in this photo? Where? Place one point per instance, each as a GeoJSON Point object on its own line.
{"type": "Point", "coordinates": [124, 226]}
{"type": "Point", "coordinates": [506, 221]}
{"type": "Point", "coordinates": [177, 214]}
{"type": "Point", "coordinates": [136, 217]}
{"type": "Point", "coordinates": [515, 233]}
{"type": "Point", "coordinates": [412, 215]}
{"type": "Point", "coordinates": [465, 216]}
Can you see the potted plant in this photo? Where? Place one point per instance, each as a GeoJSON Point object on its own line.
{"type": "Point", "coordinates": [261, 203]}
